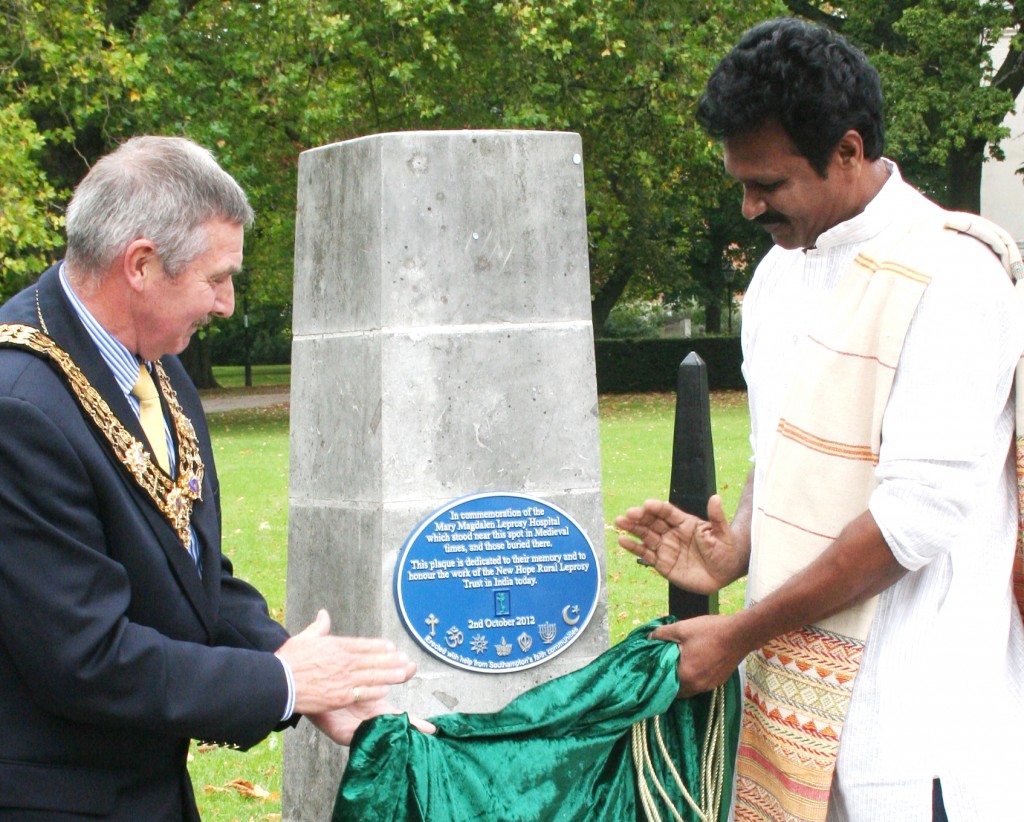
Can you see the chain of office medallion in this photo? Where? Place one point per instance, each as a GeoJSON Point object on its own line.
{"type": "Point", "coordinates": [173, 497]}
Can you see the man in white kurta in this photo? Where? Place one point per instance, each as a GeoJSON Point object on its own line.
{"type": "Point", "coordinates": [940, 685]}
{"type": "Point", "coordinates": [931, 728]}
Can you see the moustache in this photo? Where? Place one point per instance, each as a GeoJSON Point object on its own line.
{"type": "Point", "coordinates": [771, 217]}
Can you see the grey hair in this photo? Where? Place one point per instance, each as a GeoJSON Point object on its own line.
{"type": "Point", "coordinates": [164, 189]}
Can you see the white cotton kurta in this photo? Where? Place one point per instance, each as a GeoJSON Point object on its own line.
{"type": "Point", "coordinates": [940, 691]}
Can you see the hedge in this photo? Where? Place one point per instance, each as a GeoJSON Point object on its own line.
{"type": "Point", "coordinates": [623, 366]}
{"type": "Point", "coordinates": [653, 364]}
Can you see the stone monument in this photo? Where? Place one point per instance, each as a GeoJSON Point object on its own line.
{"type": "Point", "coordinates": [442, 349]}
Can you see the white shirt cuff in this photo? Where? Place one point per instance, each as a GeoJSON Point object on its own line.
{"type": "Point", "coordinates": [289, 707]}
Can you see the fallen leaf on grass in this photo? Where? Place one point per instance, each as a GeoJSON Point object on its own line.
{"type": "Point", "coordinates": [240, 786]}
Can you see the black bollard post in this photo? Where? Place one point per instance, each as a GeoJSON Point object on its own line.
{"type": "Point", "coordinates": [693, 468]}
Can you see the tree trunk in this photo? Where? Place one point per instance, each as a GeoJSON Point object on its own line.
{"type": "Point", "coordinates": [712, 317]}
{"type": "Point", "coordinates": [963, 169]}
{"type": "Point", "coordinates": [604, 300]}
{"type": "Point", "coordinates": [198, 361]}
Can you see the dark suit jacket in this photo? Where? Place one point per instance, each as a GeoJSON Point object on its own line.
{"type": "Point", "coordinates": [114, 652]}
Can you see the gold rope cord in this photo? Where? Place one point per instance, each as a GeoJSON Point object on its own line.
{"type": "Point", "coordinates": [173, 497]}
{"type": "Point", "coordinates": [712, 766]}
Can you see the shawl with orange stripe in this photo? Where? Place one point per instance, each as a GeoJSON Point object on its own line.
{"type": "Point", "coordinates": [799, 685]}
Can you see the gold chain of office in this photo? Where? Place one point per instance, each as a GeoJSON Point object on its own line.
{"type": "Point", "coordinates": [173, 497]}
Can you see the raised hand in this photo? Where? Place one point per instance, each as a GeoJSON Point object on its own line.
{"type": "Point", "coordinates": [696, 555]}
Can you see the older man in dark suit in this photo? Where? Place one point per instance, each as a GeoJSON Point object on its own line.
{"type": "Point", "coordinates": [123, 632]}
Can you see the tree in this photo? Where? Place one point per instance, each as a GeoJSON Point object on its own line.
{"type": "Point", "coordinates": [66, 72]}
{"type": "Point", "coordinates": [259, 82]}
{"type": "Point", "coordinates": [725, 250]}
{"type": "Point", "coordinates": [27, 228]}
{"type": "Point", "coordinates": [630, 86]}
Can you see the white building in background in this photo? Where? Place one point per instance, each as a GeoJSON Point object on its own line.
{"type": "Point", "coordinates": [1002, 188]}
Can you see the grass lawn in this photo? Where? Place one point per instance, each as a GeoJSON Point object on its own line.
{"type": "Point", "coordinates": [233, 376]}
{"type": "Point", "coordinates": [251, 449]}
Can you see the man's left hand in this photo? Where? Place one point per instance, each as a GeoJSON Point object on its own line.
{"type": "Point", "coordinates": [709, 651]}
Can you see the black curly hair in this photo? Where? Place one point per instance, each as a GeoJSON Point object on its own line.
{"type": "Point", "coordinates": [807, 78]}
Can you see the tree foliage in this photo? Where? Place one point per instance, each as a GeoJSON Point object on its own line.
{"type": "Point", "coordinates": [259, 82]}
{"type": "Point", "coordinates": [66, 70]}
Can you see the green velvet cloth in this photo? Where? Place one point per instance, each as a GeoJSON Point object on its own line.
{"type": "Point", "coordinates": [560, 751]}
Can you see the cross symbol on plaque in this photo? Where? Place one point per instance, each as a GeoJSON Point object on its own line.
{"type": "Point", "coordinates": [432, 622]}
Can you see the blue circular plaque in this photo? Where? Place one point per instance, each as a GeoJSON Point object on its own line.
{"type": "Point", "coordinates": [497, 582]}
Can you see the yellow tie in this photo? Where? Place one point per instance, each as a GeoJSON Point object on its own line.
{"type": "Point", "coordinates": [151, 416]}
